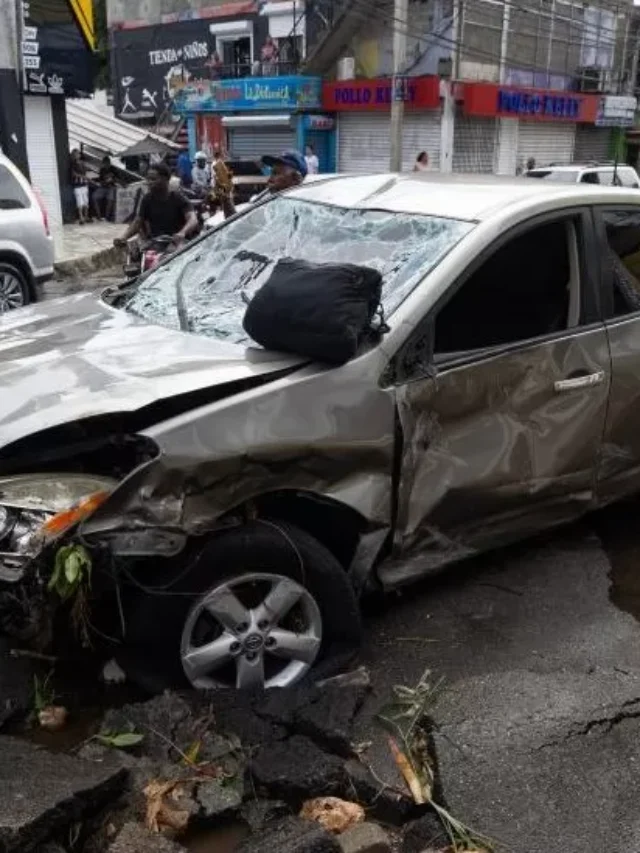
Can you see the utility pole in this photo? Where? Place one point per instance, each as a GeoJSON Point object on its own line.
{"type": "Point", "coordinates": [398, 84]}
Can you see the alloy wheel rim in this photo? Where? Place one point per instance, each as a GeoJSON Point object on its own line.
{"type": "Point", "coordinates": [256, 631]}
{"type": "Point", "coordinates": [11, 295]}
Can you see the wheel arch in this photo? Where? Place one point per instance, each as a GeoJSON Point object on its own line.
{"type": "Point", "coordinates": [338, 526]}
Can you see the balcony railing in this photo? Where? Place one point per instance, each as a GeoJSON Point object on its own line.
{"type": "Point", "coordinates": [257, 68]}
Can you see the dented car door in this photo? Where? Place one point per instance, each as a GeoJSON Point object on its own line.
{"type": "Point", "coordinates": [502, 441]}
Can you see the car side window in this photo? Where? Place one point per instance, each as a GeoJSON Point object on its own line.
{"type": "Point", "coordinates": [590, 178]}
{"type": "Point", "coordinates": [623, 239]}
{"type": "Point", "coordinates": [12, 196]}
{"type": "Point", "coordinates": [528, 288]}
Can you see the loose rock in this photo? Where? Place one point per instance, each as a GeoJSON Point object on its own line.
{"type": "Point", "coordinates": [328, 718]}
{"type": "Point", "coordinates": [134, 838]}
{"type": "Point", "coordinates": [425, 832]}
{"type": "Point", "coordinates": [334, 814]}
{"type": "Point", "coordinates": [218, 801]}
{"type": "Point", "coordinates": [383, 803]}
{"type": "Point", "coordinates": [365, 838]}
{"type": "Point", "coordinates": [49, 793]}
{"type": "Point", "coordinates": [157, 720]}
{"type": "Point", "coordinates": [292, 835]}
{"type": "Point", "coordinates": [296, 770]}
{"type": "Point", "coordinates": [258, 813]}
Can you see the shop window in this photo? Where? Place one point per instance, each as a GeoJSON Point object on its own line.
{"type": "Point", "coordinates": [623, 236]}
{"type": "Point", "coordinates": [529, 288]}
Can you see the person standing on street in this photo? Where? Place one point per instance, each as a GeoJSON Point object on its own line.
{"type": "Point", "coordinates": [105, 192]}
{"type": "Point", "coordinates": [80, 186]}
{"type": "Point", "coordinates": [313, 164]}
{"type": "Point", "coordinates": [222, 185]}
{"type": "Point", "coordinates": [201, 175]}
{"type": "Point", "coordinates": [422, 162]}
{"type": "Point", "coordinates": [183, 168]}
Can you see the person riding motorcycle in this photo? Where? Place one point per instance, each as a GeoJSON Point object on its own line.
{"type": "Point", "coordinates": [162, 211]}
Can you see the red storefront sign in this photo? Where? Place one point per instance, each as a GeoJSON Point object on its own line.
{"type": "Point", "coordinates": [376, 94]}
{"type": "Point", "coordinates": [492, 100]}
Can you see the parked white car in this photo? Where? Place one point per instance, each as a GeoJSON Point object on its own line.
{"type": "Point", "coordinates": [607, 175]}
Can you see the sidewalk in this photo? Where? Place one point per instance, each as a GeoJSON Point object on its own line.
{"type": "Point", "coordinates": [81, 249]}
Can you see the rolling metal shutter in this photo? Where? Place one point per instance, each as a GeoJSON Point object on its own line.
{"type": "Point", "coordinates": [546, 143]}
{"type": "Point", "coordinates": [41, 151]}
{"type": "Point", "coordinates": [474, 143]}
{"type": "Point", "coordinates": [364, 140]}
{"type": "Point", "coordinates": [255, 142]}
{"type": "Point", "coordinates": [592, 143]}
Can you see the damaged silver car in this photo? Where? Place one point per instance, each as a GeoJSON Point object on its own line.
{"type": "Point", "coordinates": [232, 504]}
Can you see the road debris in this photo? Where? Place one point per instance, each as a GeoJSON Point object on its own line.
{"type": "Point", "coordinates": [332, 813]}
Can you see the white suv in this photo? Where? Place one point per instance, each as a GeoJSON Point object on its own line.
{"type": "Point", "coordinates": [619, 176]}
{"type": "Point", "coordinates": [26, 247]}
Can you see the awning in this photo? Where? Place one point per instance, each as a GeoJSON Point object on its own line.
{"type": "Point", "coordinates": [146, 147]}
{"type": "Point", "coordinates": [262, 120]}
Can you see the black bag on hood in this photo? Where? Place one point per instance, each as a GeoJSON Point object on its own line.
{"type": "Point", "coordinates": [323, 311]}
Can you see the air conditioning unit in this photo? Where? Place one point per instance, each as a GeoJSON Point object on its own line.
{"type": "Point", "coordinates": [594, 80]}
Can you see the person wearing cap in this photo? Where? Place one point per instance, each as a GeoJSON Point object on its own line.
{"type": "Point", "coordinates": [201, 174]}
{"type": "Point", "coordinates": [287, 171]}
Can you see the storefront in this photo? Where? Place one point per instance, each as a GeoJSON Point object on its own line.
{"type": "Point", "coordinates": [544, 125]}
{"type": "Point", "coordinates": [250, 117]}
{"type": "Point", "coordinates": [362, 109]}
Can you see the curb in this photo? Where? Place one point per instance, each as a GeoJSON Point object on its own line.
{"type": "Point", "coordinates": [89, 263]}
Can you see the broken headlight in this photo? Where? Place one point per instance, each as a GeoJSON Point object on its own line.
{"type": "Point", "coordinates": [38, 508]}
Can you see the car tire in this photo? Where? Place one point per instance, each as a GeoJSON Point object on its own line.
{"type": "Point", "coordinates": [263, 558]}
{"type": "Point", "coordinates": [14, 288]}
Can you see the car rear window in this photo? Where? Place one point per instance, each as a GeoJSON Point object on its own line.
{"type": "Point", "coordinates": [12, 196]}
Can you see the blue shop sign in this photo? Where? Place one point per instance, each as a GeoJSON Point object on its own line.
{"type": "Point", "coordinates": [538, 104]}
{"type": "Point", "coordinates": [250, 93]}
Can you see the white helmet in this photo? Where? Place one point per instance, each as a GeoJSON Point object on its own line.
{"type": "Point", "coordinates": [200, 155]}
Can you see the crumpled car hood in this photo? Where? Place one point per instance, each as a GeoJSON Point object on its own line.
{"type": "Point", "coordinates": [77, 357]}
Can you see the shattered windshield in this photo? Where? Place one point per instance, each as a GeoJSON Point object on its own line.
{"type": "Point", "coordinates": [205, 289]}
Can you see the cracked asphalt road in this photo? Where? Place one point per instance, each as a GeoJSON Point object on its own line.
{"type": "Point", "coordinates": [538, 737]}
{"type": "Point", "coordinates": [539, 724]}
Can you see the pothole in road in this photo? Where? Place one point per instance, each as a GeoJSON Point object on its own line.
{"type": "Point", "coordinates": [619, 530]}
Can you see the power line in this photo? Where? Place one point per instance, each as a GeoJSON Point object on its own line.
{"type": "Point", "coordinates": [366, 12]}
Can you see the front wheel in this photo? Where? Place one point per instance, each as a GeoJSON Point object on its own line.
{"type": "Point", "coordinates": [264, 605]}
{"type": "Point", "coordinates": [14, 290]}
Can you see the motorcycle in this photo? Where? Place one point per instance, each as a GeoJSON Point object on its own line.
{"type": "Point", "coordinates": [140, 259]}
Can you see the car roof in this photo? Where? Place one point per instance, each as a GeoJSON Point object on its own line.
{"type": "Point", "coordinates": [473, 198]}
{"type": "Point", "coordinates": [578, 167]}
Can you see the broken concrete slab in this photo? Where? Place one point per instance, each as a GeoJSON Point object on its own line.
{"type": "Point", "coordinates": [297, 769]}
{"type": "Point", "coordinates": [381, 801]}
{"type": "Point", "coordinates": [218, 800]}
{"type": "Point", "coordinates": [42, 793]}
{"type": "Point", "coordinates": [424, 833]}
{"type": "Point", "coordinates": [258, 813]}
{"type": "Point", "coordinates": [328, 717]}
{"type": "Point", "coordinates": [158, 719]}
{"type": "Point", "coordinates": [365, 838]}
{"type": "Point", "coordinates": [136, 838]}
{"type": "Point", "coordinates": [291, 835]}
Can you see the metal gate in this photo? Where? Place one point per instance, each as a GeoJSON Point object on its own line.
{"type": "Point", "coordinates": [364, 143]}
{"type": "Point", "coordinates": [41, 151]}
{"type": "Point", "coordinates": [474, 143]}
{"type": "Point", "coordinates": [592, 143]}
{"type": "Point", "coordinates": [546, 142]}
{"type": "Point", "coordinates": [254, 142]}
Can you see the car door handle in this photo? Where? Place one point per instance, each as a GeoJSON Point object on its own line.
{"type": "Point", "coordinates": [584, 380]}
